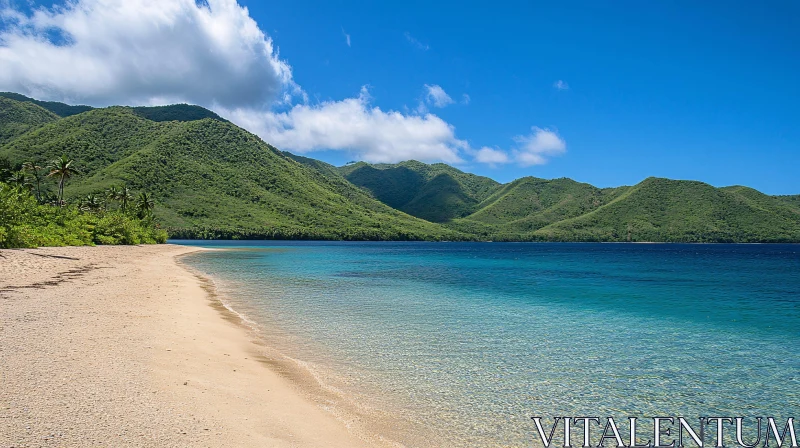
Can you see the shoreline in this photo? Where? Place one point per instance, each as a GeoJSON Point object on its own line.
{"type": "Point", "coordinates": [241, 241]}
{"type": "Point", "coordinates": [127, 346]}
{"type": "Point", "coordinates": [380, 427]}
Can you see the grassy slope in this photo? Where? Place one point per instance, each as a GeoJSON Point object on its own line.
{"type": "Point", "coordinates": [437, 192]}
{"type": "Point", "coordinates": [17, 118]}
{"type": "Point", "coordinates": [210, 173]}
{"type": "Point", "coordinates": [670, 210]}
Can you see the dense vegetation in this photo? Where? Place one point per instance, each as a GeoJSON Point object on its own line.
{"type": "Point", "coordinates": [32, 214]}
{"type": "Point", "coordinates": [532, 209]}
{"type": "Point", "coordinates": [437, 193]}
{"type": "Point", "coordinates": [26, 223]}
{"type": "Point", "coordinates": [59, 109]}
{"type": "Point", "coordinates": [174, 112]}
{"type": "Point", "coordinates": [17, 118]}
{"type": "Point", "coordinates": [682, 211]}
{"type": "Point", "coordinates": [207, 178]}
{"type": "Point", "coordinates": [213, 179]}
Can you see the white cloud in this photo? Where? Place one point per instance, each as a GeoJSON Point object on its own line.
{"type": "Point", "coordinates": [437, 96]}
{"type": "Point", "coordinates": [465, 99]}
{"type": "Point", "coordinates": [536, 147]}
{"type": "Point", "coordinates": [354, 125]}
{"type": "Point", "coordinates": [561, 85]}
{"type": "Point", "coordinates": [491, 156]}
{"type": "Point", "coordinates": [347, 37]}
{"type": "Point", "coordinates": [533, 149]}
{"type": "Point", "coordinates": [212, 53]}
{"type": "Point", "coordinates": [143, 52]}
{"type": "Point", "coordinates": [415, 42]}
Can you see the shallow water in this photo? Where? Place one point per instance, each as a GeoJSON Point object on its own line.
{"type": "Point", "coordinates": [469, 340]}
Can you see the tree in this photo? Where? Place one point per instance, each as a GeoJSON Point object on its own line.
{"type": "Point", "coordinates": [91, 203]}
{"type": "Point", "coordinates": [19, 179]}
{"type": "Point", "coordinates": [62, 168]}
{"type": "Point", "coordinates": [5, 169]}
{"type": "Point", "coordinates": [124, 196]}
{"type": "Point", "coordinates": [145, 204]}
{"type": "Point", "coordinates": [35, 170]}
{"type": "Point", "coordinates": [112, 193]}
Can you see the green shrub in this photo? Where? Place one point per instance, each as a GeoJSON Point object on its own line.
{"type": "Point", "coordinates": [26, 223]}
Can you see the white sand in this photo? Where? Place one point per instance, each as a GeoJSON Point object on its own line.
{"type": "Point", "coordinates": [120, 346]}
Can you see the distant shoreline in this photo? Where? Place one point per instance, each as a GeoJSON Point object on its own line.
{"type": "Point", "coordinates": [198, 242]}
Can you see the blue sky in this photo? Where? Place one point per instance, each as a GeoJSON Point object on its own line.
{"type": "Point", "coordinates": [687, 90]}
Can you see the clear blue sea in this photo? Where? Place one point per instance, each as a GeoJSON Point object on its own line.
{"type": "Point", "coordinates": [466, 341]}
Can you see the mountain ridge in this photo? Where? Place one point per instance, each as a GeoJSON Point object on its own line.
{"type": "Point", "coordinates": [212, 179]}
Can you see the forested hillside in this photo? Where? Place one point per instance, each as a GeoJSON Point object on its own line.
{"type": "Point", "coordinates": [17, 118]}
{"type": "Point", "coordinates": [211, 179]}
{"type": "Point", "coordinates": [437, 193]}
{"type": "Point", "coordinates": [670, 210]}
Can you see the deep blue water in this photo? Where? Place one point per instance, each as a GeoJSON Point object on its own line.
{"type": "Point", "coordinates": [469, 340]}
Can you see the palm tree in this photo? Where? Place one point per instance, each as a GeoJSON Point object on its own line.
{"type": "Point", "coordinates": [35, 170]}
{"type": "Point", "coordinates": [62, 168]}
{"type": "Point", "coordinates": [91, 203]}
{"type": "Point", "coordinates": [112, 193]}
{"type": "Point", "coordinates": [145, 203]}
{"type": "Point", "coordinates": [124, 196]}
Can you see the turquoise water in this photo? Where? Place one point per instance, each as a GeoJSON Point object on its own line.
{"type": "Point", "coordinates": [467, 341]}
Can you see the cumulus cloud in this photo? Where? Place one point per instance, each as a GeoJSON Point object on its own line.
{"type": "Point", "coordinates": [535, 148]}
{"type": "Point", "coordinates": [354, 125]}
{"type": "Point", "coordinates": [436, 96]}
{"type": "Point", "coordinates": [561, 85]}
{"type": "Point", "coordinates": [538, 146]}
{"type": "Point", "coordinates": [212, 53]}
{"type": "Point", "coordinates": [142, 52]}
{"type": "Point", "coordinates": [491, 156]}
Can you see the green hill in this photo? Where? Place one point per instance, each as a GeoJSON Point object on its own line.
{"type": "Point", "coordinates": [528, 204]}
{"type": "Point", "coordinates": [538, 202]}
{"type": "Point", "coordinates": [774, 204]}
{"type": "Point", "coordinates": [532, 209]}
{"type": "Point", "coordinates": [60, 109]}
{"type": "Point", "coordinates": [436, 193]}
{"type": "Point", "coordinates": [175, 112]}
{"type": "Point", "coordinates": [17, 118]}
{"type": "Point", "coordinates": [213, 179]}
{"type": "Point", "coordinates": [172, 112]}
{"type": "Point", "coordinates": [680, 211]}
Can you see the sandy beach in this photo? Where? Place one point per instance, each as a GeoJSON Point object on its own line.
{"type": "Point", "coordinates": [121, 346]}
